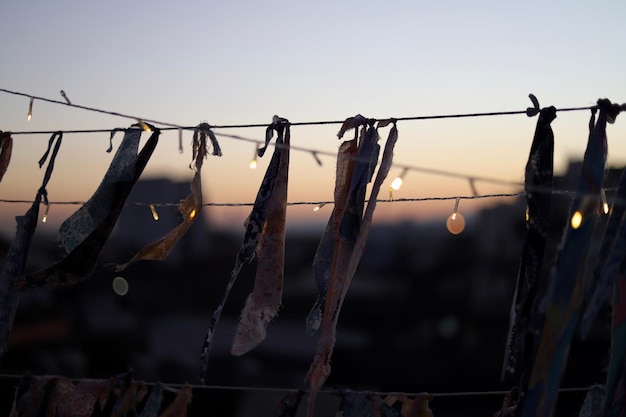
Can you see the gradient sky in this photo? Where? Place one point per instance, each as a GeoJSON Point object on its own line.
{"type": "Point", "coordinates": [237, 62]}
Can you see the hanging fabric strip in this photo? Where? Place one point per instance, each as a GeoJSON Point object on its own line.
{"type": "Point", "coordinates": [288, 405]}
{"type": "Point", "coordinates": [378, 407]}
{"type": "Point", "coordinates": [612, 252]}
{"type": "Point", "coordinates": [350, 239]}
{"type": "Point", "coordinates": [565, 293]}
{"type": "Point", "coordinates": [178, 408]}
{"type": "Point", "coordinates": [15, 261]}
{"type": "Point", "coordinates": [352, 403]}
{"type": "Point", "coordinates": [323, 259]}
{"type": "Point", "coordinates": [6, 147]}
{"type": "Point", "coordinates": [615, 397]}
{"type": "Point", "coordinates": [153, 403]}
{"type": "Point", "coordinates": [254, 229]}
{"type": "Point", "coordinates": [189, 208]}
{"type": "Point", "coordinates": [92, 214]}
{"type": "Point", "coordinates": [263, 303]}
{"type": "Point", "coordinates": [539, 173]}
{"type": "Point", "coordinates": [80, 262]}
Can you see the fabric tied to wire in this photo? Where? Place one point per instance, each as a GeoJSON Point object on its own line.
{"type": "Point", "coordinates": [255, 226]}
{"type": "Point", "coordinates": [288, 405]}
{"type": "Point", "coordinates": [118, 396]}
{"type": "Point", "coordinates": [263, 303]}
{"type": "Point", "coordinates": [189, 208]}
{"type": "Point", "coordinates": [566, 287]}
{"type": "Point", "coordinates": [539, 173]}
{"type": "Point", "coordinates": [610, 257]}
{"type": "Point", "coordinates": [350, 230]}
{"type": "Point", "coordinates": [17, 256]}
{"type": "Point", "coordinates": [615, 397]}
{"type": "Point", "coordinates": [6, 147]}
{"type": "Point", "coordinates": [85, 233]}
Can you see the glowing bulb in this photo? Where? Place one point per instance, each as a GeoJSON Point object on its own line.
{"type": "Point", "coordinates": [253, 161]}
{"type": "Point", "coordinates": [120, 286]}
{"type": "Point", "coordinates": [397, 183]}
{"type": "Point", "coordinates": [455, 223]}
{"type": "Point", "coordinates": [605, 204]}
{"type": "Point", "coordinates": [577, 219]}
{"type": "Point", "coordinates": [45, 214]}
{"type": "Point", "coordinates": [253, 164]}
{"type": "Point", "coordinates": [30, 109]}
{"type": "Point", "coordinates": [318, 207]}
{"type": "Point", "coordinates": [180, 140]}
{"type": "Point", "coordinates": [527, 216]}
{"type": "Point", "coordinates": [192, 214]}
{"type": "Point", "coordinates": [155, 215]}
{"type": "Point", "coordinates": [144, 126]}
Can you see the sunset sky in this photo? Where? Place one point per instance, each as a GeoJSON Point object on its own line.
{"type": "Point", "coordinates": [241, 62]}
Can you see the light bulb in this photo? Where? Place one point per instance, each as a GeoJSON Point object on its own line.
{"type": "Point", "coordinates": [605, 204]}
{"type": "Point", "coordinates": [397, 183]}
{"type": "Point", "coordinates": [30, 109]}
{"type": "Point", "coordinates": [577, 219]}
{"type": "Point", "coordinates": [455, 223]}
{"type": "Point", "coordinates": [120, 286]}
{"type": "Point", "coordinates": [155, 215]}
{"type": "Point", "coordinates": [44, 219]}
{"type": "Point", "coordinates": [192, 214]}
{"type": "Point", "coordinates": [253, 164]}
{"type": "Point", "coordinates": [318, 207]}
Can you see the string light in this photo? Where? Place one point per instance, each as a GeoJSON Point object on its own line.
{"type": "Point", "coordinates": [397, 182]}
{"type": "Point", "coordinates": [253, 162]}
{"type": "Point", "coordinates": [45, 213]}
{"type": "Point", "coordinates": [180, 140]}
{"type": "Point", "coordinates": [318, 207]}
{"type": "Point", "coordinates": [120, 286]}
{"type": "Point", "coordinates": [144, 126]}
{"type": "Point", "coordinates": [192, 214]}
{"type": "Point", "coordinates": [472, 184]}
{"type": "Point", "coordinates": [65, 97]}
{"type": "Point", "coordinates": [576, 220]}
{"type": "Point", "coordinates": [30, 109]}
{"type": "Point", "coordinates": [317, 158]}
{"type": "Point", "coordinates": [605, 204]}
{"type": "Point", "coordinates": [455, 222]}
{"type": "Point", "coordinates": [155, 215]}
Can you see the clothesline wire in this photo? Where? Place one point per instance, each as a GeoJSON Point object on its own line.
{"type": "Point", "coordinates": [171, 126]}
{"type": "Point", "coordinates": [325, 391]}
{"type": "Point", "coordinates": [294, 203]}
{"type": "Point", "coordinates": [314, 152]}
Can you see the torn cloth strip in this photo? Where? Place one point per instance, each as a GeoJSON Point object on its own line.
{"type": "Point", "coordinates": [538, 179]}
{"type": "Point", "coordinates": [610, 257]}
{"type": "Point", "coordinates": [80, 262]}
{"type": "Point", "coordinates": [93, 213]}
{"type": "Point", "coordinates": [254, 229]}
{"type": "Point", "coordinates": [263, 303]}
{"type": "Point", "coordinates": [565, 293]}
{"type": "Point", "coordinates": [615, 397]}
{"type": "Point", "coordinates": [351, 236]}
{"type": "Point", "coordinates": [288, 405]}
{"type": "Point", "coordinates": [322, 261]}
{"type": "Point", "coordinates": [189, 208]}
{"type": "Point", "coordinates": [6, 147]}
{"type": "Point", "coordinates": [15, 261]}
